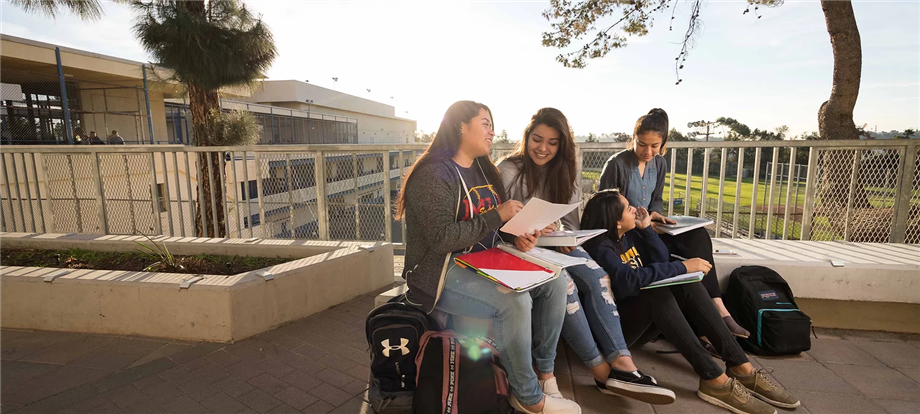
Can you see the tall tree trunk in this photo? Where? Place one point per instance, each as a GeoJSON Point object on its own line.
{"type": "Point", "coordinates": [835, 121]}
{"type": "Point", "coordinates": [204, 104]}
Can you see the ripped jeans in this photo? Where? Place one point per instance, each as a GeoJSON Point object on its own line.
{"type": "Point", "coordinates": [595, 319]}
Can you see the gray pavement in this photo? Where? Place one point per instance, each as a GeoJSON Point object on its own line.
{"type": "Point", "coordinates": [319, 364]}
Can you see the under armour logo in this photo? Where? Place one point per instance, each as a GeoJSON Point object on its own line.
{"type": "Point", "coordinates": [401, 347]}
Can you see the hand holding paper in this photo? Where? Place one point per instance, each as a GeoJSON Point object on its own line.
{"type": "Point", "coordinates": [536, 215]}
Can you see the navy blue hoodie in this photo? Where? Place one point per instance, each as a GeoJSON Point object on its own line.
{"type": "Point", "coordinates": [639, 259]}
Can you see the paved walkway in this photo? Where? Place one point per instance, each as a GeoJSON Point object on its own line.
{"type": "Point", "coordinates": [319, 365]}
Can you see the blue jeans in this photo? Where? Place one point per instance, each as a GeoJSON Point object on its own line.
{"type": "Point", "coordinates": [595, 319]}
{"type": "Point", "coordinates": [526, 325]}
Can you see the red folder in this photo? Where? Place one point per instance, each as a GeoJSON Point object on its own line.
{"type": "Point", "coordinates": [506, 269]}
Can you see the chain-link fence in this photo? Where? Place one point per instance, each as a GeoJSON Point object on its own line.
{"type": "Point", "coordinates": [34, 109]}
{"type": "Point", "coordinates": [810, 190]}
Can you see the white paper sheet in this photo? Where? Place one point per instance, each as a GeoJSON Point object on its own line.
{"type": "Point", "coordinates": [547, 255]}
{"type": "Point", "coordinates": [517, 279]}
{"type": "Point", "coordinates": [536, 215]}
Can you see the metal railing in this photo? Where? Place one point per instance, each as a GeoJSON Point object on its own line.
{"type": "Point", "coordinates": [858, 191]}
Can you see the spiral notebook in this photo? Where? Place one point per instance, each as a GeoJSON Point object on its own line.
{"type": "Point", "coordinates": [677, 280]}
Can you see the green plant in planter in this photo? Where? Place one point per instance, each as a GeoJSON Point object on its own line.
{"type": "Point", "coordinates": [166, 262]}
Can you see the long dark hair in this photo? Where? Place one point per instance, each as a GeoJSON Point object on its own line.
{"type": "Point", "coordinates": [603, 211]}
{"type": "Point", "coordinates": [446, 144]}
{"type": "Point", "coordinates": [656, 120]}
{"type": "Point", "coordinates": [559, 179]}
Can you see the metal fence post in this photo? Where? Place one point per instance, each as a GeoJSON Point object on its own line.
{"type": "Point", "coordinates": [846, 227]}
{"type": "Point", "coordinates": [289, 180]}
{"type": "Point", "coordinates": [9, 192]}
{"type": "Point", "coordinates": [322, 213]}
{"type": "Point", "coordinates": [64, 103]}
{"type": "Point", "coordinates": [222, 165]}
{"type": "Point", "coordinates": [671, 182]}
{"type": "Point", "coordinates": [25, 182]}
{"type": "Point", "coordinates": [76, 200]}
{"type": "Point", "coordinates": [38, 193]}
{"type": "Point", "coordinates": [810, 182]}
{"type": "Point", "coordinates": [689, 180]}
{"type": "Point", "coordinates": [789, 193]}
{"type": "Point", "coordinates": [769, 227]}
{"type": "Point", "coordinates": [753, 221]}
{"type": "Point", "coordinates": [402, 221]}
{"type": "Point", "coordinates": [579, 175]}
{"type": "Point", "coordinates": [719, 204]}
{"type": "Point", "coordinates": [261, 196]}
{"type": "Point", "coordinates": [704, 188]}
{"type": "Point", "coordinates": [147, 99]}
{"type": "Point", "coordinates": [179, 194]}
{"type": "Point", "coordinates": [172, 230]}
{"type": "Point", "coordinates": [354, 168]}
{"type": "Point", "coordinates": [246, 191]}
{"type": "Point", "coordinates": [158, 221]}
{"type": "Point", "coordinates": [100, 195]}
{"type": "Point", "coordinates": [736, 216]}
{"type": "Point", "coordinates": [387, 217]}
{"type": "Point", "coordinates": [6, 179]}
{"type": "Point", "coordinates": [902, 201]}
{"type": "Point", "coordinates": [236, 194]}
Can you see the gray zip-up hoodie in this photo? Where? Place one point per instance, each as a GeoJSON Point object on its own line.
{"type": "Point", "coordinates": [432, 200]}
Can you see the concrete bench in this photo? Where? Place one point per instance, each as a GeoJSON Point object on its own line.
{"type": "Point", "coordinates": [877, 288]}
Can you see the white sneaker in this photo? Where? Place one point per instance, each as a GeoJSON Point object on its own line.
{"type": "Point", "coordinates": [551, 405]}
{"type": "Point", "coordinates": [550, 387]}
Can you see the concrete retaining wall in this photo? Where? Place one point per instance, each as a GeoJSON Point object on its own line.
{"type": "Point", "coordinates": [217, 308]}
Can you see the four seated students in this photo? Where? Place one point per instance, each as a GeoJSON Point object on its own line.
{"type": "Point", "coordinates": [454, 201]}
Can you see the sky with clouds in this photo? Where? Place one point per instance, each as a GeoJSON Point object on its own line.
{"type": "Point", "coordinates": [423, 56]}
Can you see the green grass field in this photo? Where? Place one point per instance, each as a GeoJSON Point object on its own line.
{"type": "Point", "coordinates": [878, 197]}
{"type": "Point", "coordinates": [728, 195]}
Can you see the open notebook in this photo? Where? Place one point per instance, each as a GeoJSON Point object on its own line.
{"type": "Point", "coordinates": [677, 280]}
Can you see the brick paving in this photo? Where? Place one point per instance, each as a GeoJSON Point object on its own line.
{"type": "Point", "coordinates": [319, 365]}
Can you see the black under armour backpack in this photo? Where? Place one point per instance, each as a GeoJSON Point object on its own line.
{"type": "Point", "coordinates": [393, 333]}
{"type": "Point", "coordinates": [761, 301]}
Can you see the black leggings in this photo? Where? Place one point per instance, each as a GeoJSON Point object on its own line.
{"type": "Point", "coordinates": [667, 310]}
{"type": "Point", "coordinates": [696, 243]}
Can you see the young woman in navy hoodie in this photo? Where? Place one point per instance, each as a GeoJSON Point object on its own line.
{"type": "Point", "coordinates": [634, 257]}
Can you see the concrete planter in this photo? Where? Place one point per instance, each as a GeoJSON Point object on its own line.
{"type": "Point", "coordinates": [215, 308]}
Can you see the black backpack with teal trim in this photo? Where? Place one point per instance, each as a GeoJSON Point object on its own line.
{"type": "Point", "coordinates": [761, 301]}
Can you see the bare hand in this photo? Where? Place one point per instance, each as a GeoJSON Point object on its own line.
{"type": "Point", "coordinates": [565, 249]}
{"type": "Point", "coordinates": [508, 209]}
{"type": "Point", "coordinates": [527, 241]}
{"type": "Point", "coordinates": [697, 265]}
{"type": "Point", "coordinates": [643, 219]}
{"type": "Point", "coordinates": [549, 229]}
{"type": "Point", "coordinates": [656, 216]}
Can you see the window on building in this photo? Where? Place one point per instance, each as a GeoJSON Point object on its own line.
{"type": "Point", "coordinates": [249, 190]}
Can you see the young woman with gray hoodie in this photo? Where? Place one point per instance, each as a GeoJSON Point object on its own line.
{"type": "Point", "coordinates": [453, 203]}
